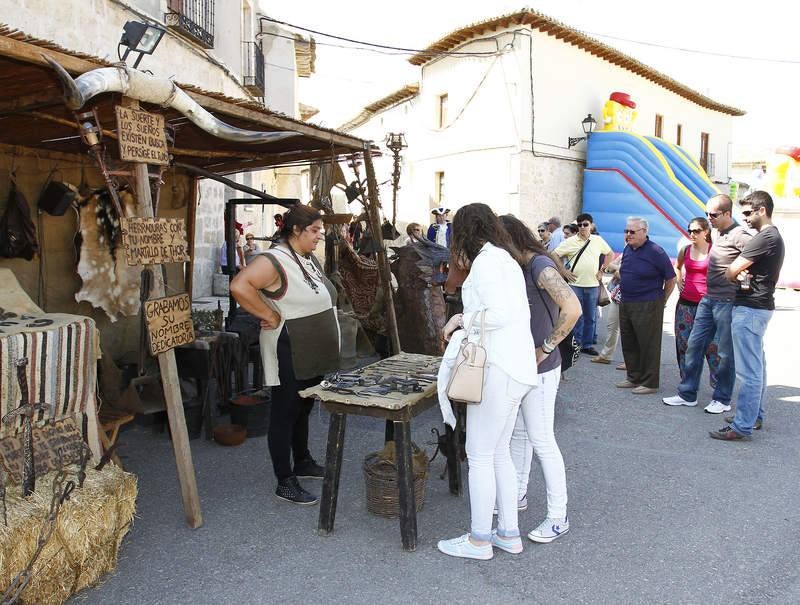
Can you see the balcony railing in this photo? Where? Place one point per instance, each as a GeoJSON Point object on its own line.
{"type": "Point", "coordinates": [253, 67]}
{"type": "Point", "coordinates": [193, 19]}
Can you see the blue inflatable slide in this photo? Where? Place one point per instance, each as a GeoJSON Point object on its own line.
{"type": "Point", "coordinates": [630, 175]}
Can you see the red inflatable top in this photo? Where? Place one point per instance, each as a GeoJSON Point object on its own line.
{"type": "Point", "coordinates": [623, 98]}
{"type": "Point", "coordinates": [792, 152]}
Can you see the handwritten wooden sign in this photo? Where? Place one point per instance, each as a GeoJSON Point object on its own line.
{"type": "Point", "coordinates": [141, 137]}
{"type": "Point", "coordinates": [57, 442]}
{"type": "Point", "coordinates": [150, 241]}
{"type": "Point", "coordinates": [169, 322]}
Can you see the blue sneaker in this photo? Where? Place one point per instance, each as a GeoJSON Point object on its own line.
{"type": "Point", "coordinates": [462, 547]}
{"type": "Point", "coordinates": [512, 545]}
{"type": "Point", "coordinates": [549, 530]}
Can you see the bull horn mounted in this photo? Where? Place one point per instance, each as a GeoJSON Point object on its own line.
{"type": "Point", "coordinates": [159, 91]}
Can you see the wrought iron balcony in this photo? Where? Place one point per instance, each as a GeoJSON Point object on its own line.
{"type": "Point", "coordinates": [253, 67]}
{"type": "Point", "coordinates": [193, 19]}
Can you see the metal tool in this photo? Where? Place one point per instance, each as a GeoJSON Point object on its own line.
{"type": "Point", "coordinates": [26, 410]}
{"type": "Point", "coordinates": [106, 457]}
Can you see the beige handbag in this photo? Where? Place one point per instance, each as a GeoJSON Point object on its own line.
{"type": "Point", "coordinates": [466, 381]}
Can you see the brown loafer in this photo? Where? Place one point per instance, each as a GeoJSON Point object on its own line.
{"type": "Point", "coordinates": [626, 384]}
{"type": "Point", "coordinates": [758, 426]}
{"type": "Point", "coordinates": [600, 359]}
{"type": "Point", "coordinates": [643, 390]}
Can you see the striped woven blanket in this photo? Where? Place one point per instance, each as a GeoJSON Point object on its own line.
{"type": "Point", "coordinates": [62, 352]}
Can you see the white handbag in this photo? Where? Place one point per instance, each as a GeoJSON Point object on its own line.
{"type": "Point", "coordinates": [466, 380]}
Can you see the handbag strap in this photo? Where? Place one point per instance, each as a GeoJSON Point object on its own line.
{"type": "Point", "coordinates": [469, 326]}
{"type": "Point", "coordinates": [570, 265]}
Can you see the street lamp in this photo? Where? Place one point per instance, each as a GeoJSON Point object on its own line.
{"type": "Point", "coordinates": [588, 125]}
{"type": "Point", "coordinates": [141, 38]}
{"type": "Point", "coordinates": [395, 142]}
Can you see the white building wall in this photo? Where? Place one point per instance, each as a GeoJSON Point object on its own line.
{"type": "Point", "coordinates": [486, 154]}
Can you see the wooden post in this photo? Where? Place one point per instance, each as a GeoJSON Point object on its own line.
{"type": "Point", "coordinates": [191, 221]}
{"type": "Point", "coordinates": [169, 369]}
{"type": "Point", "coordinates": [373, 205]}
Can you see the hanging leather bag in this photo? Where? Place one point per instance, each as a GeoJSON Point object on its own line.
{"type": "Point", "coordinates": [17, 231]}
{"type": "Point", "coordinates": [466, 380]}
{"type": "Point", "coordinates": [57, 196]}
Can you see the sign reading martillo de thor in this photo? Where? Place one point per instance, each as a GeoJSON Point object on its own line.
{"type": "Point", "coordinates": [169, 322]}
{"type": "Point", "coordinates": [141, 137]}
{"type": "Point", "coordinates": [150, 241]}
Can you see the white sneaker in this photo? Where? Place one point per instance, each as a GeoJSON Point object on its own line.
{"type": "Point", "coordinates": [717, 407]}
{"type": "Point", "coordinates": [678, 400]}
{"type": "Point", "coordinates": [462, 547]}
{"type": "Point", "coordinates": [549, 530]}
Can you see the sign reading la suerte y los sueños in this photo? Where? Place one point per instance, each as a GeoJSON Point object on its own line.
{"type": "Point", "coordinates": [169, 322]}
{"type": "Point", "coordinates": [150, 241]}
{"type": "Point", "coordinates": [141, 137]}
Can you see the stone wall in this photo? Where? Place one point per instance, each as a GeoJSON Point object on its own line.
{"type": "Point", "coordinates": [209, 229]}
{"type": "Point", "coordinates": [549, 187]}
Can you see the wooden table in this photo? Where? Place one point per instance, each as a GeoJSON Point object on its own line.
{"type": "Point", "coordinates": [396, 407]}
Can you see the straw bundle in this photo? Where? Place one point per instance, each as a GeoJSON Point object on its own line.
{"type": "Point", "coordinates": [84, 544]}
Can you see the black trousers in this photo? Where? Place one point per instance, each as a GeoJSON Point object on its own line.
{"type": "Point", "coordinates": [640, 326]}
{"type": "Point", "coordinates": [288, 425]}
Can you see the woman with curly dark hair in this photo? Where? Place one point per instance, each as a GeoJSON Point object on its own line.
{"type": "Point", "coordinates": [496, 308]}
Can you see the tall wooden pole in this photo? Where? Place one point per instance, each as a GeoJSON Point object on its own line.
{"type": "Point", "coordinates": [373, 213]}
{"type": "Point", "coordinates": [169, 369]}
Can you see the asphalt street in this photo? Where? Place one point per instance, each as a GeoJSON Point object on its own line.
{"type": "Point", "coordinates": [660, 513]}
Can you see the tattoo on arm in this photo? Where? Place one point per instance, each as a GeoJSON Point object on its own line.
{"type": "Point", "coordinates": [552, 283]}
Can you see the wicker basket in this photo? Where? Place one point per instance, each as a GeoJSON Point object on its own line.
{"type": "Point", "coordinates": [380, 476]}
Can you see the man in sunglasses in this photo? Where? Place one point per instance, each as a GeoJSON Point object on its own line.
{"type": "Point", "coordinates": [647, 278]}
{"type": "Point", "coordinates": [585, 253]}
{"type": "Point", "coordinates": [714, 312]}
{"type": "Point", "coordinates": [556, 233]}
{"type": "Point", "coordinates": [754, 273]}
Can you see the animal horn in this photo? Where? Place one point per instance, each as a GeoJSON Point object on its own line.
{"type": "Point", "coordinates": [159, 91]}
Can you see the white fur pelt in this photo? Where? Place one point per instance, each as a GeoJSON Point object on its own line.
{"type": "Point", "coordinates": [108, 282]}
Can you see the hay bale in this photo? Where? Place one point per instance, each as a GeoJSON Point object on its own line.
{"type": "Point", "coordinates": [84, 544]}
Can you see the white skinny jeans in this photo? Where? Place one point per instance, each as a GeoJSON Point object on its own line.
{"type": "Point", "coordinates": [533, 433]}
{"type": "Point", "coordinates": [491, 471]}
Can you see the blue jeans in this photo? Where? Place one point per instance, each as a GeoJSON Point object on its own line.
{"type": "Point", "coordinates": [713, 318]}
{"type": "Point", "coordinates": [749, 326]}
{"type": "Point", "coordinates": [584, 329]}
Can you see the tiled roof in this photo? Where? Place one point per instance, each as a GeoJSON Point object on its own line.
{"type": "Point", "coordinates": [409, 91]}
{"type": "Point", "coordinates": [538, 21]}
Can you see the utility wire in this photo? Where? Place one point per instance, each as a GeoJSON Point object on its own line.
{"type": "Point", "coordinates": [399, 50]}
{"type": "Point", "coordinates": [698, 52]}
{"type": "Point", "coordinates": [373, 44]}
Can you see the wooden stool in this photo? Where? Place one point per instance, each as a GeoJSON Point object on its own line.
{"type": "Point", "coordinates": [111, 420]}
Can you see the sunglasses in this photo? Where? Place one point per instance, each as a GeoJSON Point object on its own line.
{"type": "Point", "coordinates": [541, 230]}
{"type": "Point", "coordinates": [714, 214]}
{"type": "Point", "coordinates": [746, 213]}
{"type": "Point", "coordinates": [695, 231]}
{"type": "Point", "coordinates": [632, 231]}
{"type": "Point", "coordinates": [585, 224]}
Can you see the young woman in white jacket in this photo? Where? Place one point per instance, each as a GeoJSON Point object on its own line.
{"type": "Point", "coordinates": [495, 287]}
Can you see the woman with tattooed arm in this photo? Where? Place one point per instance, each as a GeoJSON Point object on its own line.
{"type": "Point", "coordinates": [554, 311]}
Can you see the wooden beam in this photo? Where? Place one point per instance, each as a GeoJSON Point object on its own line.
{"type": "Point", "coordinates": [37, 100]}
{"type": "Point", "coordinates": [31, 53]}
{"type": "Point", "coordinates": [191, 221]}
{"type": "Point", "coordinates": [169, 370]}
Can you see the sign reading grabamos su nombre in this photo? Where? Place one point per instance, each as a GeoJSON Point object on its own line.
{"type": "Point", "coordinates": [150, 241]}
{"type": "Point", "coordinates": [141, 137]}
{"type": "Point", "coordinates": [169, 322]}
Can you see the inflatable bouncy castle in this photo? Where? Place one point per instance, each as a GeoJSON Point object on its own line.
{"type": "Point", "coordinates": [631, 175]}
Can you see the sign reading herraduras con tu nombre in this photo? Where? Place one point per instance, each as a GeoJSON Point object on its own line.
{"type": "Point", "coordinates": [58, 443]}
{"type": "Point", "coordinates": [150, 241]}
{"type": "Point", "coordinates": [141, 136]}
{"type": "Point", "coordinates": [169, 322]}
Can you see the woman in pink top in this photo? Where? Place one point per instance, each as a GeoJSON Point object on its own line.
{"type": "Point", "coordinates": [692, 267]}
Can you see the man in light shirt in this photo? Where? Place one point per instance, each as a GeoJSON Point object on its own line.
{"type": "Point", "coordinates": [556, 233]}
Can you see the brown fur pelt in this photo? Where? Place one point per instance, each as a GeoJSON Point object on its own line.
{"type": "Point", "coordinates": [108, 282]}
{"type": "Point", "coordinates": [420, 305]}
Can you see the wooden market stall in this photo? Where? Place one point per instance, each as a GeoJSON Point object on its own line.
{"type": "Point", "coordinates": [40, 142]}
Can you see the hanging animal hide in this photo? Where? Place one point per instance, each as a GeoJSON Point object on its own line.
{"type": "Point", "coordinates": [324, 177]}
{"type": "Point", "coordinates": [361, 282]}
{"type": "Point", "coordinates": [108, 282]}
{"type": "Point", "coordinates": [419, 302]}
